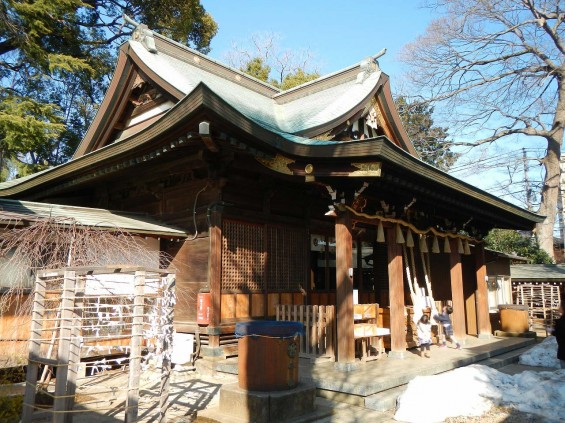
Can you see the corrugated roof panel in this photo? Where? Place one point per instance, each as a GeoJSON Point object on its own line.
{"type": "Point", "coordinates": [537, 272]}
{"type": "Point", "coordinates": [11, 210]}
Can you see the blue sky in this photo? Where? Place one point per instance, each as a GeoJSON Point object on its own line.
{"type": "Point", "coordinates": [340, 33]}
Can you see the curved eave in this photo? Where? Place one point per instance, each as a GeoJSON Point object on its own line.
{"type": "Point", "coordinates": [338, 120]}
{"type": "Point", "coordinates": [389, 108]}
{"type": "Point", "coordinates": [373, 149]}
{"type": "Point", "coordinates": [129, 65]}
{"type": "Point", "coordinates": [108, 112]}
{"type": "Point", "coordinates": [82, 165]}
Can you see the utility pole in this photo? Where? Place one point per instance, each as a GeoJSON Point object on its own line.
{"type": "Point", "coordinates": [561, 205]}
{"type": "Point", "coordinates": [527, 181]}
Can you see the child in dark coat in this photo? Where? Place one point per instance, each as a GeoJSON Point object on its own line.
{"type": "Point", "coordinates": [559, 333]}
{"type": "Point", "coordinates": [445, 320]}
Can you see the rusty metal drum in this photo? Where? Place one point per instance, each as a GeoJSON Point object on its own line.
{"type": "Point", "coordinates": [514, 318]}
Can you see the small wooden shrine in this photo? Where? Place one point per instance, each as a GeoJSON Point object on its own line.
{"type": "Point", "coordinates": [310, 196]}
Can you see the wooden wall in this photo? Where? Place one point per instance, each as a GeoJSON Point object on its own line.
{"type": "Point", "coordinates": [247, 306]}
{"type": "Point", "coordinates": [440, 275]}
{"type": "Point", "coordinates": [14, 332]}
{"type": "Point", "coordinates": [190, 262]}
{"type": "Point", "coordinates": [469, 292]}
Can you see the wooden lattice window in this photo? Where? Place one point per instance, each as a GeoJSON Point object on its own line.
{"type": "Point", "coordinates": [243, 256]}
{"type": "Point", "coordinates": [257, 256]}
{"type": "Point", "coordinates": [287, 258]}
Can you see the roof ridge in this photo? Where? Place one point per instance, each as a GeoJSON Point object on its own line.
{"type": "Point", "coordinates": [216, 66]}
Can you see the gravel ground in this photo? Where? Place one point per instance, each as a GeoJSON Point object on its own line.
{"type": "Point", "coordinates": [500, 415]}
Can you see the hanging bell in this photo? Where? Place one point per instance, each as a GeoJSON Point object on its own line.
{"type": "Point", "coordinates": [435, 245]}
{"type": "Point", "coordinates": [460, 248]}
{"type": "Point", "coordinates": [380, 232]}
{"type": "Point", "coordinates": [466, 248]}
{"type": "Point", "coordinates": [399, 236]}
{"type": "Point", "coordinates": [446, 246]}
{"type": "Point", "coordinates": [423, 244]}
{"type": "Point", "coordinates": [409, 239]}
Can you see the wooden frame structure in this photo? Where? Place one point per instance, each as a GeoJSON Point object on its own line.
{"type": "Point", "coordinates": [283, 194]}
{"type": "Point", "coordinates": [68, 303]}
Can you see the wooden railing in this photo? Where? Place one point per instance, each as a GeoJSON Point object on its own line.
{"type": "Point", "coordinates": [319, 325]}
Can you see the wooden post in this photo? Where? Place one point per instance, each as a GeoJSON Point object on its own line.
{"type": "Point", "coordinates": [215, 276]}
{"type": "Point", "coordinates": [457, 296]}
{"type": "Point", "coordinates": [344, 292]}
{"type": "Point", "coordinates": [60, 402]}
{"type": "Point", "coordinates": [483, 316]}
{"type": "Point", "coordinates": [74, 347]}
{"type": "Point", "coordinates": [396, 297]}
{"type": "Point", "coordinates": [34, 349]}
{"type": "Point", "coordinates": [132, 400]}
{"type": "Point", "coordinates": [167, 304]}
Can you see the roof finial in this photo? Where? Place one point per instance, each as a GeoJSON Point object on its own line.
{"type": "Point", "coordinates": [369, 65]}
{"type": "Point", "coordinates": [141, 33]}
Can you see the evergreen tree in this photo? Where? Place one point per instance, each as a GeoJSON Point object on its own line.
{"type": "Point", "coordinates": [429, 141]}
{"type": "Point", "coordinates": [56, 59]}
{"type": "Point", "coordinates": [513, 242]}
{"type": "Point", "coordinates": [257, 68]}
{"type": "Point", "coordinates": [297, 78]}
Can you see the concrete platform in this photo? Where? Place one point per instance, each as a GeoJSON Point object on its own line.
{"type": "Point", "coordinates": [377, 384]}
{"type": "Point", "coordinates": [241, 406]}
{"type": "Point", "coordinates": [381, 375]}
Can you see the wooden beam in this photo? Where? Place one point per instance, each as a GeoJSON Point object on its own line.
{"type": "Point", "coordinates": [396, 296]}
{"type": "Point", "coordinates": [457, 296]}
{"type": "Point", "coordinates": [483, 316]}
{"type": "Point", "coordinates": [344, 290]}
{"type": "Point", "coordinates": [215, 282]}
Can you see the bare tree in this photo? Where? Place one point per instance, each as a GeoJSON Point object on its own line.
{"type": "Point", "coordinates": [498, 68]}
{"type": "Point", "coordinates": [279, 62]}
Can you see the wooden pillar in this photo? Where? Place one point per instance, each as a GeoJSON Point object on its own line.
{"type": "Point", "coordinates": [215, 281]}
{"type": "Point", "coordinates": [396, 297]}
{"type": "Point", "coordinates": [457, 296]}
{"type": "Point", "coordinates": [36, 335]}
{"type": "Point", "coordinates": [132, 399]}
{"type": "Point", "coordinates": [483, 316]}
{"type": "Point", "coordinates": [344, 292]}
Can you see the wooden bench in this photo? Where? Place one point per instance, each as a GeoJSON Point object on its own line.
{"type": "Point", "coordinates": [366, 329]}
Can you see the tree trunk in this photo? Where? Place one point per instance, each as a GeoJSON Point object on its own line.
{"type": "Point", "coordinates": [549, 196]}
{"type": "Point", "coordinates": [550, 189]}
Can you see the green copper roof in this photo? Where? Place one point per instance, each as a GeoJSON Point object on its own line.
{"type": "Point", "coordinates": [318, 104]}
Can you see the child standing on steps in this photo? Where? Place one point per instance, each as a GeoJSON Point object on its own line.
{"type": "Point", "coordinates": [424, 328]}
{"type": "Point", "coordinates": [445, 320]}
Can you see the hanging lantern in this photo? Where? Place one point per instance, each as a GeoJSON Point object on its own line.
{"type": "Point", "coordinates": [466, 248]}
{"type": "Point", "coordinates": [446, 246]}
{"type": "Point", "coordinates": [399, 236]}
{"type": "Point", "coordinates": [460, 248]}
{"type": "Point", "coordinates": [409, 239]}
{"type": "Point", "coordinates": [380, 232]}
{"type": "Point", "coordinates": [423, 244]}
{"type": "Point", "coordinates": [435, 245]}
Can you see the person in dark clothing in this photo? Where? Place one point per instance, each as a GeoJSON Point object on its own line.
{"type": "Point", "coordinates": [559, 333]}
{"type": "Point", "coordinates": [444, 319]}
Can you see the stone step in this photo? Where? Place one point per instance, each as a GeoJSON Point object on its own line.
{"type": "Point", "coordinates": [505, 359]}
{"type": "Point", "coordinates": [385, 400]}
